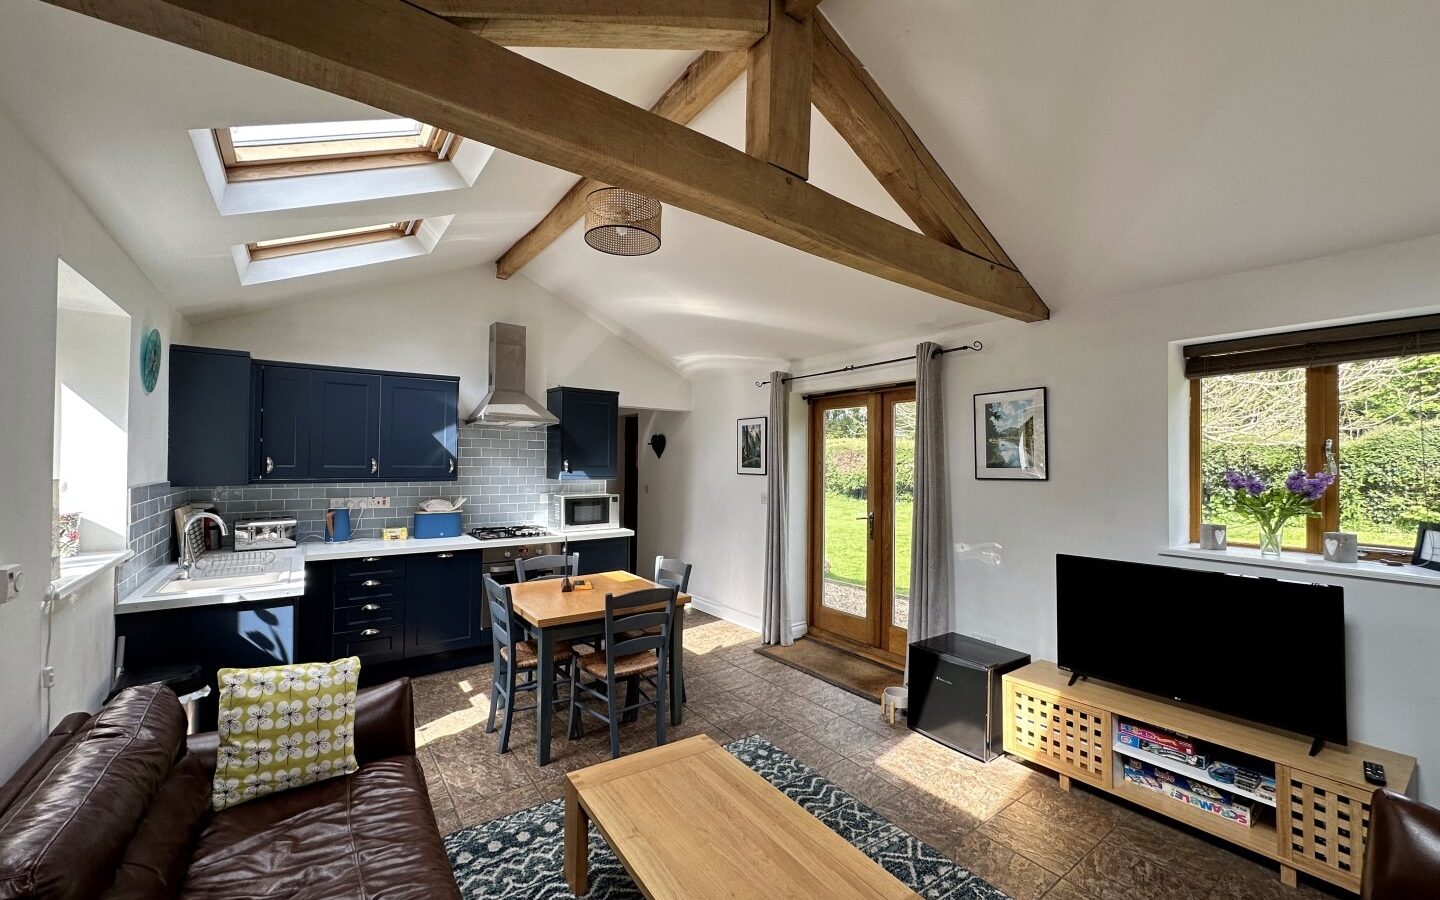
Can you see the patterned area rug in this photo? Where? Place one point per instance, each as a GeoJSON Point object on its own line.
{"type": "Point", "coordinates": [521, 856]}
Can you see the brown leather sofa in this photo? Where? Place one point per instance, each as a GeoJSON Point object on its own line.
{"type": "Point", "coordinates": [117, 806]}
{"type": "Point", "coordinates": [1402, 852]}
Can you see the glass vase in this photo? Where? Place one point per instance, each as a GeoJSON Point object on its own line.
{"type": "Point", "coordinates": [1270, 538]}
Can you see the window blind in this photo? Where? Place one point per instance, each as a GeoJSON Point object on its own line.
{"type": "Point", "coordinates": [1314, 347]}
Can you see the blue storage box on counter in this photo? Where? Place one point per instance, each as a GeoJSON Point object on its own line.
{"type": "Point", "coordinates": [437, 524]}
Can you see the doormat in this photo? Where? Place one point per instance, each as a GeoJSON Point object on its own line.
{"type": "Point", "coordinates": [856, 674]}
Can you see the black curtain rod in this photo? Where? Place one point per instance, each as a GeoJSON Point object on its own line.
{"type": "Point", "coordinates": [973, 345]}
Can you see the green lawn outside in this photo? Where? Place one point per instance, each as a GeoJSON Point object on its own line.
{"type": "Point", "coordinates": [845, 545]}
{"type": "Point", "coordinates": [1241, 530]}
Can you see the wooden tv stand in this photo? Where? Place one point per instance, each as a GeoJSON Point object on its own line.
{"type": "Point", "coordinates": [1322, 802]}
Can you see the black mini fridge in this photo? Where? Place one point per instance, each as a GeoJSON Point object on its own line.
{"type": "Point", "coordinates": [955, 692]}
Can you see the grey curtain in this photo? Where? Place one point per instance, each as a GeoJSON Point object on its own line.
{"type": "Point", "coordinates": [930, 552]}
{"type": "Point", "coordinates": [775, 626]}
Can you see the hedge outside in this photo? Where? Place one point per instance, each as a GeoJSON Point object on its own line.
{"type": "Point", "coordinates": [1387, 479]}
{"type": "Point", "coordinates": [845, 467]}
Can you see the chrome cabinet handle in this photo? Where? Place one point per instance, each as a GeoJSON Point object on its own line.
{"type": "Point", "coordinates": [370, 607]}
{"type": "Point", "coordinates": [269, 465]}
{"type": "Point", "coordinates": [374, 465]}
{"type": "Point", "coordinates": [444, 556]}
{"type": "Point", "coordinates": [452, 465]}
{"type": "Point", "coordinates": [370, 582]}
{"type": "Point", "coordinates": [371, 559]}
{"type": "Point", "coordinates": [370, 632]}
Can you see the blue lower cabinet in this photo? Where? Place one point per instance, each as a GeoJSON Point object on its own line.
{"type": "Point", "coordinates": [444, 605]}
{"type": "Point", "coordinates": [606, 555]}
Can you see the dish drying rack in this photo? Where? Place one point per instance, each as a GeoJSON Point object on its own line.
{"type": "Point", "coordinates": [235, 565]}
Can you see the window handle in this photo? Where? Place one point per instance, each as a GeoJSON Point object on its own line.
{"type": "Point", "coordinates": [1330, 467]}
{"type": "Point", "coordinates": [870, 518]}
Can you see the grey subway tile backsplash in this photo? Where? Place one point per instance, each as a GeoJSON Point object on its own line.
{"type": "Point", "coordinates": [501, 476]}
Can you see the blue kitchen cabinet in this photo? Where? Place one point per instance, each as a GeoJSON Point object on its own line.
{"type": "Point", "coordinates": [282, 401]}
{"type": "Point", "coordinates": [419, 428]}
{"type": "Point", "coordinates": [586, 443]}
{"type": "Point", "coordinates": [209, 416]}
{"type": "Point", "coordinates": [344, 425]}
{"type": "Point", "coordinates": [444, 603]}
{"type": "Point", "coordinates": [605, 555]}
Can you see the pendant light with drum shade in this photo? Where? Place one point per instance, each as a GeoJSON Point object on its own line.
{"type": "Point", "coordinates": [621, 222]}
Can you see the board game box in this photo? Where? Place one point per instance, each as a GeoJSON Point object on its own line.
{"type": "Point", "coordinates": [1194, 793]}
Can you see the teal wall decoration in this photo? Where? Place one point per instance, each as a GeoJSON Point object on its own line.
{"type": "Point", "coordinates": [150, 360]}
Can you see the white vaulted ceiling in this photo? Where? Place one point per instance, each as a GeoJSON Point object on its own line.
{"type": "Point", "coordinates": [1109, 146]}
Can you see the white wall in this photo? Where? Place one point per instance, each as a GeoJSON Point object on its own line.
{"type": "Point", "coordinates": [440, 325]}
{"type": "Point", "coordinates": [695, 507]}
{"type": "Point", "coordinates": [1117, 475]}
{"type": "Point", "coordinates": [44, 221]}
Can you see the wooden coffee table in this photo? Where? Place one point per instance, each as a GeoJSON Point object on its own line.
{"type": "Point", "coordinates": [689, 821]}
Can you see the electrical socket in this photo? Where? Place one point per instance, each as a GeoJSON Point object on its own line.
{"type": "Point", "coordinates": [13, 577]}
{"type": "Point", "coordinates": [368, 503]}
{"type": "Point", "coordinates": [47, 677]}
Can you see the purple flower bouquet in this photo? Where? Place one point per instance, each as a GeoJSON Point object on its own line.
{"type": "Point", "coordinates": [1272, 506]}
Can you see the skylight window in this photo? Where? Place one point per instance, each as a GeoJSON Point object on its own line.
{"type": "Point", "coordinates": [253, 152]}
{"type": "Point", "coordinates": [331, 240]}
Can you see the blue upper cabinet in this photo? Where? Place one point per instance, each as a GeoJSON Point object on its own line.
{"type": "Point", "coordinates": [283, 411]}
{"type": "Point", "coordinates": [586, 443]}
{"type": "Point", "coordinates": [209, 416]}
{"type": "Point", "coordinates": [234, 420]}
{"type": "Point", "coordinates": [419, 428]}
{"type": "Point", "coordinates": [344, 425]}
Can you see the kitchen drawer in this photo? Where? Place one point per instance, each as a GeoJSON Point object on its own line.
{"type": "Point", "coordinates": [369, 615]}
{"type": "Point", "coordinates": [373, 645]}
{"type": "Point", "coordinates": [370, 567]}
{"type": "Point", "coordinates": [371, 590]}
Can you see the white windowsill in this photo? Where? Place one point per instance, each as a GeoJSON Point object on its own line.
{"type": "Point", "coordinates": [78, 571]}
{"type": "Point", "coordinates": [1307, 562]}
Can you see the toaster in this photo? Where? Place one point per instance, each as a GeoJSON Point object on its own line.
{"type": "Point", "coordinates": [264, 532]}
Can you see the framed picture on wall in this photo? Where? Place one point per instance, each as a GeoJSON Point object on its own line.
{"type": "Point", "coordinates": [1011, 440]}
{"type": "Point", "coordinates": [750, 445]}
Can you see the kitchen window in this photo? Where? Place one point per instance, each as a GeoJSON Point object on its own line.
{"type": "Point", "coordinates": [331, 240]}
{"type": "Point", "coordinates": [257, 152]}
{"type": "Point", "coordinates": [1360, 400]}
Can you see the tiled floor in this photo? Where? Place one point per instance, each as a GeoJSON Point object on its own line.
{"type": "Point", "coordinates": [1007, 822]}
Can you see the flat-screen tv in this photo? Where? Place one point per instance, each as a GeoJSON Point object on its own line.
{"type": "Point", "coordinates": [1261, 649]}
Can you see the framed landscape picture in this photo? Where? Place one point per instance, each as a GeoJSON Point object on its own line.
{"type": "Point", "coordinates": [1010, 435]}
{"type": "Point", "coordinates": [750, 446]}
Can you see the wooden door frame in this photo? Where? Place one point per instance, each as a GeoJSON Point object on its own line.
{"type": "Point", "coordinates": [881, 636]}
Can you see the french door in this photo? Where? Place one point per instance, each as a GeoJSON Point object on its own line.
{"type": "Point", "coordinates": [862, 493]}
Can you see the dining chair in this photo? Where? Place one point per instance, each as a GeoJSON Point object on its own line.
{"type": "Point", "coordinates": [673, 573]}
{"type": "Point", "coordinates": [556, 565]}
{"type": "Point", "coordinates": [514, 656]}
{"type": "Point", "coordinates": [635, 652]}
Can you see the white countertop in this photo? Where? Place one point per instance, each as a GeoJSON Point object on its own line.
{"type": "Point", "coordinates": [81, 569]}
{"type": "Point", "coordinates": [289, 567]}
{"type": "Point", "coordinates": [318, 552]}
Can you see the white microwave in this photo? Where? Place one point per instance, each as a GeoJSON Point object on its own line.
{"type": "Point", "coordinates": [585, 512]}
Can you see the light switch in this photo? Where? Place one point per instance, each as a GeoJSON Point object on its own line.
{"type": "Point", "coordinates": [764, 498]}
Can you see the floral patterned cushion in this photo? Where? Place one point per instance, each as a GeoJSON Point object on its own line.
{"type": "Point", "coordinates": [283, 727]}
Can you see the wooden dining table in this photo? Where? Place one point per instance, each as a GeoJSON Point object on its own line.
{"type": "Point", "coordinates": [552, 615]}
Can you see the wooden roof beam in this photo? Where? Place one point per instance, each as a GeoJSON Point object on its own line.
{"type": "Point", "coordinates": [642, 24]}
{"type": "Point", "coordinates": [393, 56]}
{"type": "Point", "coordinates": [705, 79]}
{"type": "Point", "coordinates": [851, 101]}
{"type": "Point", "coordinates": [777, 99]}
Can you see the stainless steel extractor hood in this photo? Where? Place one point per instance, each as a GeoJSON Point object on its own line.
{"type": "Point", "coordinates": [506, 402]}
